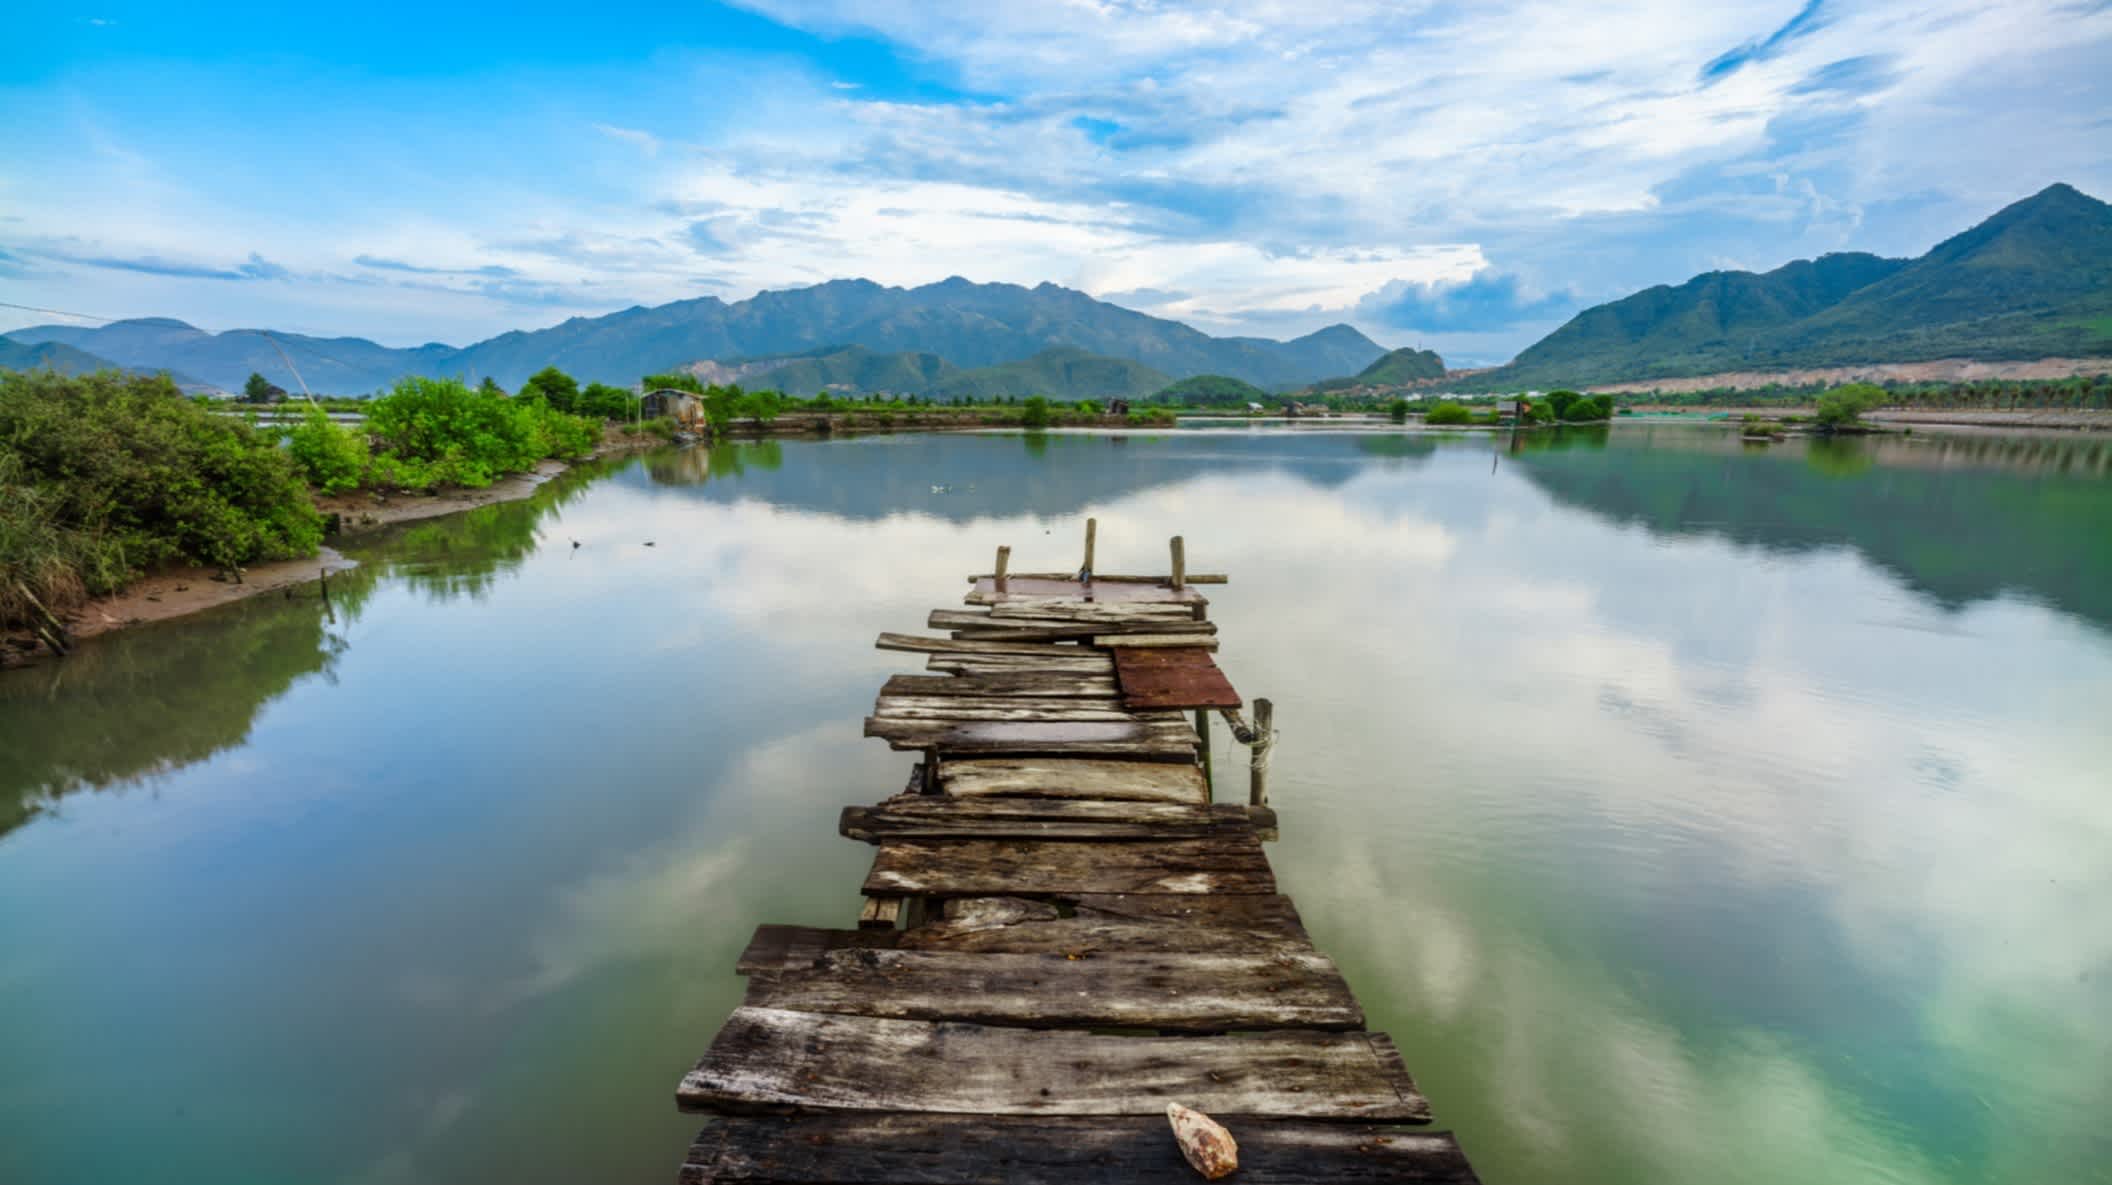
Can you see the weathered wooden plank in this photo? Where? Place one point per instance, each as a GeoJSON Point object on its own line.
{"type": "Point", "coordinates": [1079, 819]}
{"type": "Point", "coordinates": [767, 1059]}
{"type": "Point", "coordinates": [1150, 641]}
{"type": "Point", "coordinates": [1172, 678]}
{"type": "Point", "coordinates": [915, 644]}
{"type": "Point", "coordinates": [1028, 589]}
{"type": "Point", "coordinates": [1254, 924]}
{"type": "Point", "coordinates": [1110, 577]}
{"type": "Point", "coordinates": [1168, 740]}
{"type": "Point", "coordinates": [921, 1148]}
{"type": "Point", "coordinates": [1071, 660]}
{"type": "Point", "coordinates": [1058, 628]}
{"type": "Point", "coordinates": [897, 707]}
{"type": "Point", "coordinates": [1227, 863]}
{"type": "Point", "coordinates": [1145, 781]}
{"type": "Point", "coordinates": [774, 948]}
{"type": "Point", "coordinates": [1030, 685]}
{"type": "Point", "coordinates": [1191, 991]}
{"type": "Point", "coordinates": [881, 912]}
{"type": "Point", "coordinates": [1090, 611]}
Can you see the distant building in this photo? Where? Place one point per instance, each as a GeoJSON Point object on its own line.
{"type": "Point", "coordinates": [683, 407]}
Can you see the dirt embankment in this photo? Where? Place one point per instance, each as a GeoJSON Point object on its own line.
{"type": "Point", "coordinates": [1945, 370]}
{"type": "Point", "coordinates": [176, 592]}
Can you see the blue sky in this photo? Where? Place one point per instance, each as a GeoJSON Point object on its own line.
{"type": "Point", "coordinates": [1456, 176]}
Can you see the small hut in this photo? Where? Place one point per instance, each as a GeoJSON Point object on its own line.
{"type": "Point", "coordinates": [683, 407]}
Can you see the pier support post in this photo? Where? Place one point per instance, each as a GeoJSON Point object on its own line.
{"type": "Point", "coordinates": [1180, 561]}
{"type": "Point", "coordinates": [1202, 730]}
{"type": "Point", "coordinates": [1004, 561]}
{"type": "Point", "coordinates": [1092, 527]}
{"type": "Point", "coordinates": [1264, 740]}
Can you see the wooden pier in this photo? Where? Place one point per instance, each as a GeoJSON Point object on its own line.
{"type": "Point", "coordinates": [1061, 935]}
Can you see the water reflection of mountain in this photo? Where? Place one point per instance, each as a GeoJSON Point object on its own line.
{"type": "Point", "coordinates": [1960, 520]}
{"type": "Point", "coordinates": [965, 477]}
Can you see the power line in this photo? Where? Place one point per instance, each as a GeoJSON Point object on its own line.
{"type": "Point", "coordinates": [30, 308]}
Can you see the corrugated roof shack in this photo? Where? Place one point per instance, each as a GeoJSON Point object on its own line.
{"type": "Point", "coordinates": [684, 408]}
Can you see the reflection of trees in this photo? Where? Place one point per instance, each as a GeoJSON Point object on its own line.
{"type": "Point", "coordinates": [463, 554]}
{"type": "Point", "coordinates": [147, 701]}
{"type": "Point", "coordinates": [697, 465]}
{"type": "Point", "coordinates": [1958, 525]}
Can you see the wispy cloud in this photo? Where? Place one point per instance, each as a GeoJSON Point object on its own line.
{"type": "Point", "coordinates": [1247, 166]}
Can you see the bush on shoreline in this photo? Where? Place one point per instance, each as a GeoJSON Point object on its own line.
{"type": "Point", "coordinates": [428, 433]}
{"type": "Point", "coordinates": [106, 475]}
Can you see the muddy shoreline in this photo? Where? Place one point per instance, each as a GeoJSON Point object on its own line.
{"type": "Point", "coordinates": [180, 591]}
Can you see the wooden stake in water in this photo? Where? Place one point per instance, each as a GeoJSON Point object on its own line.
{"type": "Point", "coordinates": [1004, 561]}
{"type": "Point", "coordinates": [1092, 527]}
{"type": "Point", "coordinates": [1202, 731]}
{"type": "Point", "coordinates": [1264, 739]}
{"type": "Point", "coordinates": [1180, 561]}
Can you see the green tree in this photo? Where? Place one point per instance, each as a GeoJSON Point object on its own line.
{"type": "Point", "coordinates": [490, 386]}
{"type": "Point", "coordinates": [333, 458]}
{"type": "Point", "coordinates": [1398, 410]}
{"type": "Point", "coordinates": [677, 381]}
{"type": "Point", "coordinates": [552, 386]}
{"type": "Point", "coordinates": [1035, 415]}
{"type": "Point", "coordinates": [1845, 404]}
{"type": "Point", "coordinates": [603, 402]}
{"type": "Point", "coordinates": [1448, 412]}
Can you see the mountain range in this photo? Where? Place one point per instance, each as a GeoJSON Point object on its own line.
{"type": "Point", "coordinates": [2032, 281]}
{"type": "Point", "coordinates": [968, 325]}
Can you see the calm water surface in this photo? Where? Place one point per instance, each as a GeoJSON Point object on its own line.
{"type": "Point", "coordinates": [1688, 813]}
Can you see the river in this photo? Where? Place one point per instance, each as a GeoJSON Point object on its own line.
{"type": "Point", "coordinates": [1689, 811]}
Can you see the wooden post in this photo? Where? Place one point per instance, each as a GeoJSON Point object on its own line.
{"type": "Point", "coordinates": [1180, 561]}
{"type": "Point", "coordinates": [1264, 740]}
{"type": "Point", "coordinates": [1004, 560]}
{"type": "Point", "coordinates": [1202, 730]}
{"type": "Point", "coordinates": [1092, 526]}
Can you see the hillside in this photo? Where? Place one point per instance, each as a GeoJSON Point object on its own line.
{"type": "Point", "coordinates": [1211, 390]}
{"type": "Point", "coordinates": [1062, 373]}
{"type": "Point", "coordinates": [856, 369]}
{"type": "Point", "coordinates": [2034, 280]}
{"type": "Point", "coordinates": [57, 356]}
{"type": "Point", "coordinates": [1404, 367]}
{"type": "Point", "coordinates": [967, 324]}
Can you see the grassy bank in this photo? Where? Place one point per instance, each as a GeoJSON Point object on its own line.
{"type": "Point", "coordinates": [107, 476]}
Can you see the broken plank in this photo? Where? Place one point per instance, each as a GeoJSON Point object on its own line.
{"type": "Point", "coordinates": [1017, 684]}
{"type": "Point", "coordinates": [1227, 863]}
{"type": "Point", "coordinates": [1110, 577]}
{"type": "Point", "coordinates": [1053, 610]}
{"type": "Point", "coordinates": [922, 1148]}
{"type": "Point", "coordinates": [1190, 992]}
{"type": "Point", "coordinates": [774, 948]}
{"type": "Point", "coordinates": [894, 707]}
{"type": "Point", "coordinates": [767, 1060]}
{"type": "Point", "coordinates": [1147, 781]}
{"type": "Point", "coordinates": [880, 912]}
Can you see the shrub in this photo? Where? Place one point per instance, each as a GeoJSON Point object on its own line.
{"type": "Point", "coordinates": [331, 457]}
{"type": "Point", "coordinates": [434, 432]}
{"type": "Point", "coordinates": [1035, 414]}
{"type": "Point", "coordinates": [678, 381]}
{"type": "Point", "coordinates": [1846, 404]}
{"type": "Point", "coordinates": [105, 475]}
{"type": "Point", "coordinates": [1398, 409]}
{"type": "Point", "coordinates": [1447, 413]}
{"type": "Point", "coordinates": [1558, 402]}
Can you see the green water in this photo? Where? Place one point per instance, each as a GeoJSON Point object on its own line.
{"type": "Point", "coordinates": [1688, 812]}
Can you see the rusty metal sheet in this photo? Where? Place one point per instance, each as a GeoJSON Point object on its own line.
{"type": "Point", "coordinates": [1029, 588]}
{"type": "Point", "coordinates": [1171, 677]}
